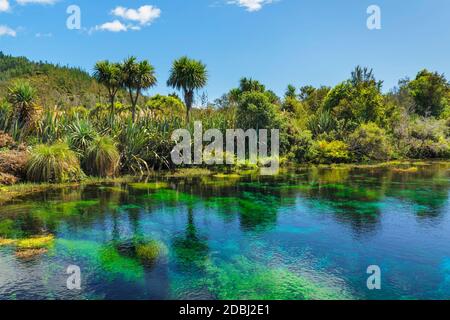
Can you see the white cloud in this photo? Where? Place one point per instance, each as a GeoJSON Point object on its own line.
{"type": "Point", "coordinates": [43, 35]}
{"type": "Point", "coordinates": [7, 31]}
{"type": "Point", "coordinates": [25, 2]}
{"type": "Point", "coordinates": [4, 5]}
{"type": "Point", "coordinates": [115, 26]}
{"type": "Point", "coordinates": [144, 15]}
{"type": "Point", "coordinates": [250, 5]}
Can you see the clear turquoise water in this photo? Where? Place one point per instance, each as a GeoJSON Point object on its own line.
{"type": "Point", "coordinates": [306, 234]}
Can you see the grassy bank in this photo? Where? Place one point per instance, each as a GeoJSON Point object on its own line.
{"type": "Point", "coordinates": [8, 193]}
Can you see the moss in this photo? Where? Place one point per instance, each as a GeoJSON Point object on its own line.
{"type": "Point", "coordinates": [149, 186]}
{"type": "Point", "coordinates": [7, 242]}
{"type": "Point", "coordinates": [8, 193]}
{"type": "Point", "coordinates": [36, 242]}
{"type": "Point", "coordinates": [190, 172]}
{"type": "Point", "coordinates": [227, 176]}
{"type": "Point", "coordinates": [150, 251]}
{"type": "Point", "coordinates": [30, 253]}
{"type": "Point", "coordinates": [407, 170]}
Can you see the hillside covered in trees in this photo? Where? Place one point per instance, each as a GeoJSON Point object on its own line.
{"type": "Point", "coordinates": [60, 124]}
{"type": "Point", "coordinates": [58, 85]}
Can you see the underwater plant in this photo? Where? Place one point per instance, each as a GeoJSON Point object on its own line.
{"type": "Point", "coordinates": [150, 251]}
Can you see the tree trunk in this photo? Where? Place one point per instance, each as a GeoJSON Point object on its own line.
{"type": "Point", "coordinates": [188, 100]}
{"type": "Point", "coordinates": [133, 107]}
{"type": "Point", "coordinates": [112, 100]}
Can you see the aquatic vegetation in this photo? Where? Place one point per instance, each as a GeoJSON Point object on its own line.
{"type": "Point", "coordinates": [173, 196]}
{"type": "Point", "coordinates": [227, 176]}
{"type": "Point", "coordinates": [113, 189]}
{"type": "Point", "coordinates": [406, 170]}
{"type": "Point", "coordinates": [118, 265]}
{"type": "Point", "coordinates": [298, 235]}
{"type": "Point", "coordinates": [35, 242]}
{"type": "Point", "coordinates": [148, 252]}
{"type": "Point", "coordinates": [190, 172]}
{"type": "Point", "coordinates": [7, 242]}
{"type": "Point", "coordinates": [55, 210]}
{"type": "Point", "coordinates": [248, 280]}
{"type": "Point", "coordinates": [106, 257]}
{"type": "Point", "coordinates": [30, 253]}
{"type": "Point", "coordinates": [149, 185]}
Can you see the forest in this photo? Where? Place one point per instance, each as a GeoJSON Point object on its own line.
{"type": "Point", "coordinates": [60, 124]}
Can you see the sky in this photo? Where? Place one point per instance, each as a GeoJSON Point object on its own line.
{"type": "Point", "coordinates": [278, 42]}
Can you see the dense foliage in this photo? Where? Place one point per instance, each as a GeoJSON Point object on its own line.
{"type": "Point", "coordinates": [58, 123]}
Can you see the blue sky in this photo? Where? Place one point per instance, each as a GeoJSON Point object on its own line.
{"type": "Point", "coordinates": [302, 42]}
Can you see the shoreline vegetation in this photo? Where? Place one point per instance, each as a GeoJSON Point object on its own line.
{"type": "Point", "coordinates": [63, 126]}
{"type": "Point", "coordinates": [9, 193]}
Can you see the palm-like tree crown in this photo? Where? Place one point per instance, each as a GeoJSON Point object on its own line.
{"type": "Point", "coordinates": [108, 74]}
{"type": "Point", "coordinates": [22, 96]}
{"type": "Point", "coordinates": [187, 75]}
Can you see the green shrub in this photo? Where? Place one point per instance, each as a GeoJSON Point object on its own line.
{"type": "Point", "coordinates": [328, 152]}
{"type": "Point", "coordinates": [102, 157]}
{"type": "Point", "coordinates": [53, 163]}
{"type": "Point", "coordinates": [255, 111]}
{"type": "Point", "coordinates": [301, 142]}
{"type": "Point", "coordinates": [321, 122]}
{"type": "Point", "coordinates": [427, 139]}
{"type": "Point", "coordinates": [81, 134]}
{"type": "Point", "coordinates": [369, 142]}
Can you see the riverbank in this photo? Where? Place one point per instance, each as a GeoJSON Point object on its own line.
{"type": "Point", "coordinates": [8, 193]}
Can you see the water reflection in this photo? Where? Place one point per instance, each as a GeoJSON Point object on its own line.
{"type": "Point", "coordinates": [176, 237]}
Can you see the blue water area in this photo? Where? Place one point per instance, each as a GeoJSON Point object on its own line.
{"type": "Point", "coordinates": [308, 233]}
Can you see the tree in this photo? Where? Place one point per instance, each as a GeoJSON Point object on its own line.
{"type": "Point", "coordinates": [164, 105]}
{"type": "Point", "coordinates": [249, 85]}
{"type": "Point", "coordinates": [22, 97]}
{"type": "Point", "coordinates": [255, 111]}
{"type": "Point", "coordinates": [137, 76]}
{"type": "Point", "coordinates": [431, 93]}
{"type": "Point", "coordinates": [291, 92]}
{"type": "Point", "coordinates": [188, 75]}
{"type": "Point", "coordinates": [109, 74]}
{"type": "Point", "coordinates": [357, 100]}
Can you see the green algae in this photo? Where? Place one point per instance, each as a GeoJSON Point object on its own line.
{"type": "Point", "coordinates": [113, 189]}
{"type": "Point", "coordinates": [246, 280]}
{"type": "Point", "coordinates": [106, 257]}
{"type": "Point", "coordinates": [149, 185]}
{"type": "Point", "coordinates": [150, 251]}
{"type": "Point", "coordinates": [38, 242]}
{"type": "Point", "coordinates": [58, 209]}
{"type": "Point", "coordinates": [117, 265]}
{"type": "Point", "coordinates": [168, 196]}
{"type": "Point", "coordinates": [233, 176]}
